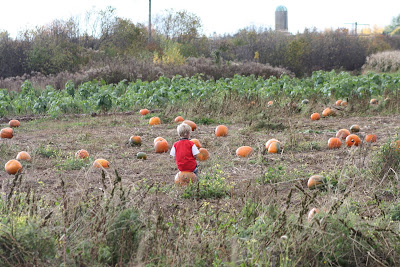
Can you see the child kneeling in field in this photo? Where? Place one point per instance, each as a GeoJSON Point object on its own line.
{"type": "Point", "coordinates": [185, 151]}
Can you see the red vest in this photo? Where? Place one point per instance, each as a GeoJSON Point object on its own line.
{"type": "Point", "coordinates": [184, 156]}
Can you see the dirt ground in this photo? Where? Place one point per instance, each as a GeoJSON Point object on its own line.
{"type": "Point", "coordinates": [304, 141]}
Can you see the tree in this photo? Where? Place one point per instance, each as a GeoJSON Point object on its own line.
{"type": "Point", "coordinates": [395, 24]}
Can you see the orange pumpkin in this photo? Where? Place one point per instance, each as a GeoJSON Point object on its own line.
{"type": "Point", "coordinates": [244, 151]}
{"type": "Point", "coordinates": [338, 102]}
{"type": "Point", "coordinates": [158, 139]}
{"type": "Point", "coordinates": [334, 142]}
{"type": "Point", "coordinates": [154, 121]}
{"type": "Point", "coordinates": [315, 181]}
{"type": "Point", "coordinates": [191, 124]}
{"type": "Point", "coordinates": [353, 140]}
{"type": "Point", "coordinates": [179, 119]}
{"type": "Point", "coordinates": [221, 130]}
{"type": "Point", "coordinates": [327, 112]}
{"type": "Point", "coordinates": [196, 142]}
{"type": "Point", "coordinates": [355, 128]}
{"type": "Point", "coordinates": [270, 103]}
{"type": "Point", "coordinates": [81, 154]}
{"type": "Point", "coordinates": [370, 138]}
{"type": "Point", "coordinates": [101, 163]}
{"type": "Point", "coordinates": [135, 141]}
{"type": "Point", "coordinates": [14, 123]}
{"type": "Point", "coordinates": [342, 133]}
{"type": "Point", "coordinates": [315, 116]}
{"type": "Point", "coordinates": [23, 155]}
{"type": "Point", "coordinates": [268, 143]}
{"type": "Point", "coordinates": [144, 111]}
{"type": "Point", "coordinates": [274, 147]}
{"type": "Point", "coordinates": [203, 155]}
{"type": "Point", "coordinates": [13, 166]}
{"type": "Point", "coordinates": [7, 133]}
{"type": "Point", "coordinates": [344, 103]}
{"type": "Point", "coordinates": [185, 178]}
{"type": "Point", "coordinates": [311, 213]}
{"type": "Point", "coordinates": [161, 146]}
{"type": "Point", "coordinates": [397, 145]}
{"type": "Point", "coordinates": [373, 101]}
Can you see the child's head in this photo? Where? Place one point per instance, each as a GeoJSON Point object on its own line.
{"type": "Point", "coordinates": [184, 130]}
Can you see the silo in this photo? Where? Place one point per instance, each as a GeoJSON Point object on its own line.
{"type": "Point", "coordinates": [281, 19]}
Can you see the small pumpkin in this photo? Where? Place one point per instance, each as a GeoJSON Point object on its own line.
{"type": "Point", "coordinates": [344, 103]}
{"type": "Point", "coordinates": [327, 112]}
{"type": "Point", "coordinates": [161, 146]}
{"type": "Point", "coordinates": [334, 142]}
{"type": "Point", "coordinates": [268, 143]}
{"type": "Point", "coordinates": [135, 141]}
{"type": "Point", "coordinates": [353, 140]}
{"type": "Point", "coordinates": [342, 133]}
{"type": "Point", "coordinates": [13, 166]}
{"type": "Point", "coordinates": [179, 119]}
{"type": "Point", "coordinates": [23, 155]}
{"type": "Point", "coordinates": [373, 101]}
{"type": "Point", "coordinates": [355, 128]}
{"type": "Point", "coordinates": [315, 116]}
{"type": "Point", "coordinates": [191, 124]}
{"type": "Point", "coordinates": [274, 147]}
{"type": "Point", "coordinates": [185, 178]}
{"type": "Point", "coordinates": [101, 163]}
{"type": "Point", "coordinates": [221, 130]}
{"type": "Point", "coordinates": [7, 133]}
{"type": "Point", "coordinates": [370, 138]}
{"type": "Point", "coordinates": [144, 111]}
{"type": "Point", "coordinates": [154, 121]}
{"type": "Point", "coordinates": [141, 155]}
{"type": "Point", "coordinates": [244, 151]}
{"type": "Point", "coordinates": [203, 155]}
{"type": "Point", "coordinates": [311, 214]}
{"type": "Point", "coordinates": [305, 101]}
{"type": "Point", "coordinates": [338, 102]}
{"type": "Point", "coordinates": [158, 139]}
{"type": "Point", "coordinates": [81, 154]}
{"type": "Point", "coordinates": [315, 181]}
{"type": "Point", "coordinates": [270, 103]}
{"type": "Point", "coordinates": [14, 123]}
{"type": "Point", "coordinates": [196, 142]}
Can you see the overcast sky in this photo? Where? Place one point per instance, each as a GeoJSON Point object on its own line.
{"type": "Point", "coordinates": [220, 16]}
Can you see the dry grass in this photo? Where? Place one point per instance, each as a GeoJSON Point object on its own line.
{"type": "Point", "coordinates": [388, 61]}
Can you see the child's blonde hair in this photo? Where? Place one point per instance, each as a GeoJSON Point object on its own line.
{"type": "Point", "coordinates": [184, 130]}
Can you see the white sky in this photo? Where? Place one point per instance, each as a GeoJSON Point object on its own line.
{"type": "Point", "coordinates": [220, 16]}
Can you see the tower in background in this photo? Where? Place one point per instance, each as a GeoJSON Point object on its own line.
{"type": "Point", "coordinates": [281, 19]}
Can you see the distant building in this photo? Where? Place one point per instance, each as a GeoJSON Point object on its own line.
{"type": "Point", "coordinates": [281, 19]}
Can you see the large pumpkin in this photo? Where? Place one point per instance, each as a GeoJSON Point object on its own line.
{"type": "Point", "coordinates": [244, 151]}
{"type": "Point", "coordinates": [158, 139]}
{"type": "Point", "coordinates": [7, 133]}
{"type": "Point", "coordinates": [154, 121]}
{"type": "Point", "coordinates": [221, 130]}
{"type": "Point", "coordinates": [179, 119]}
{"type": "Point", "coordinates": [101, 163]}
{"type": "Point", "coordinates": [353, 140]}
{"type": "Point", "coordinates": [23, 155]}
{"type": "Point", "coordinates": [315, 181]}
{"type": "Point", "coordinates": [268, 143]}
{"type": "Point", "coordinates": [342, 133]}
{"type": "Point", "coordinates": [191, 124]}
{"type": "Point", "coordinates": [13, 166]}
{"type": "Point", "coordinates": [338, 102]}
{"type": "Point", "coordinates": [13, 123]}
{"type": "Point", "coordinates": [185, 178]}
{"type": "Point", "coordinates": [327, 112]}
{"type": "Point", "coordinates": [81, 154]}
{"type": "Point", "coordinates": [203, 155]}
{"type": "Point", "coordinates": [334, 142]}
{"type": "Point", "coordinates": [161, 146]}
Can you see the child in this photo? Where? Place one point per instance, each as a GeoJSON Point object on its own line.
{"type": "Point", "coordinates": [185, 151]}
